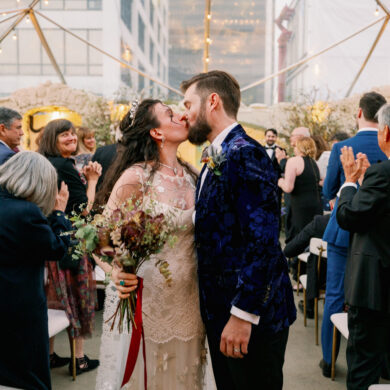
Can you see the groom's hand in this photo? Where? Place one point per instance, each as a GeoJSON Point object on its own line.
{"type": "Point", "coordinates": [235, 337]}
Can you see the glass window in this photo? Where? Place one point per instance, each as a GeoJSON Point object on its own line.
{"type": "Point", "coordinates": [141, 79]}
{"type": "Point", "coordinates": [76, 51]}
{"type": "Point", "coordinates": [151, 52]}
{"type": "Point", "coordinates": [95, 37]}
{"type": "Point", "coordinates": [126, 12]}
{"type": "Point", "coordinates": [151, 15]}
{"type": "Point", "coordinates": [94, 4]}
{"type": "Point", "coordinates": [55, 39]}
{"type": "Point", "coordinates": [141, 33]}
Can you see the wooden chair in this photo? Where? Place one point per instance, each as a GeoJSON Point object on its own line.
{"type": "Point", "coordinates": [340, 325]}
{"type": "Point", "coordinates": [317, 248]}
{"type": "Point", "coordinates": [58, 321]}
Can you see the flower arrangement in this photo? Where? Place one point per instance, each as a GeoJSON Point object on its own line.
{"type": "Point", "coordinates": [127, 237]}
{"type": "Point", "coordinates": [214, 159]}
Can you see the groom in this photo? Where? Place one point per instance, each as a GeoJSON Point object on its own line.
{"type": "Point", "coordinates": [245, 293]}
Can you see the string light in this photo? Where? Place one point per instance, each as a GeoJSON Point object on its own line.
{"type": "Point", "coordinates": [27, 19]}
{"type": "Point", "coordinates": [207, 59]}
{"type": "Point", "coordinates": [209, 16]}
{"type": "Point", "coordinates": [376, 13]}
{"type": "Point", "coordinates": [208, 40]}
{"type": "Point", "coordinates": [14, 37]}
{"type": "Point", "coordinates": [46, 2]}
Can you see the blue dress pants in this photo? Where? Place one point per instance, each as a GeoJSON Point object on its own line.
{"type": "Point", "coordinates": [334, 295]}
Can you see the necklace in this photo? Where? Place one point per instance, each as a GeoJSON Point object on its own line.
{"type": "Point", "coordinates": [167, 166]}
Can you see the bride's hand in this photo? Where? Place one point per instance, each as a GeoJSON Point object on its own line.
{"type": "Point", "coordinates": [124, 282]}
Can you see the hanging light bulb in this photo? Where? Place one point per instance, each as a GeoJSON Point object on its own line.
{"type": "Point", "coordinates": [376, 13]}
{"type": "Point", "coordinates": [207, 59]}
{"type": "Point", "coordinates": [46, 2]}
{"type": "Point", "coordinates": [14, 37]}
{"type": "Point", "coordinates": [27, 19]}
{"type": "Point", "coordinates": [209, 16]}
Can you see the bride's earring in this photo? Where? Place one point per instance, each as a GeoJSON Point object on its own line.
{"type": "Point", "coordinates": [162, 142]}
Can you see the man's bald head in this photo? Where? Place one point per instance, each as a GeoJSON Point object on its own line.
{"type": "Point", "coordinates": [297, 133]}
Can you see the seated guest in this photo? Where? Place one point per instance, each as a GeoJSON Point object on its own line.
{"type": "Point", "coordinates": [365, 213]}
{"type": "Point", "coordinates": [10, 133]}
{"type": "Point", "coordinates": [30, 234]}
{"type": "Point", "coordinates": [300, 244]}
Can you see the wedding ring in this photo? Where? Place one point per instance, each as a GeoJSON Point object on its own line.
{"type": "Point", "coordinates": [122, 282]}
{"type": "Point", "coordinates": [236, 349]}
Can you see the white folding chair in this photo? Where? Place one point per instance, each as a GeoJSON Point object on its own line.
{"type": "Point", "coordinates": [302, 257]}
{"type": "Point", "coordinates": [340, 325]}
{"type": "Point", "coordinates": [58, 321]}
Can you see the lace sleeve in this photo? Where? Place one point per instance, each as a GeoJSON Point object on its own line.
{"type": "Point", "coordinates": [130, 185]}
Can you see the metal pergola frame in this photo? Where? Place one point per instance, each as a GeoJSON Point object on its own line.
{"type": "Point", "coordinates": [29, 11]}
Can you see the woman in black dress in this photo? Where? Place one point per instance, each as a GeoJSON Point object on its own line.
{"type": "Point", "coordinates": [30, 233]}
{"type": "Point", "coordinates": [301, 180]}
{"type": "Point", "coordinates": [71, 286]}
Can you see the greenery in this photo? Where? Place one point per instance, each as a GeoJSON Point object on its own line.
{"type": "Point", "coordinates": [319, 116]}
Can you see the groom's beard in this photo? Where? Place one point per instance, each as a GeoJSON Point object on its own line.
{"type": "Point", "coordinates": [197, 134]}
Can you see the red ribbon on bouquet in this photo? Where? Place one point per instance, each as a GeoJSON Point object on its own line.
{"type": "Point", "coordinates": [136, 335]}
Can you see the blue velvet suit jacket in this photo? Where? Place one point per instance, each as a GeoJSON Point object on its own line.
{"type": "Point", "coordinates": [240, 262]}
{"type": "Point", "coordinates": [364, 142]}
{"type": "Point", "coordinates": [5, 153]}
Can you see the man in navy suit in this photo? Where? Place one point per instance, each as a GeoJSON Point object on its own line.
{"type": "Point", "coordinates": [365, 141]}
{"type": "Point", "coordinates": [10, 133]}
{"type": "Point", "coordinates": [245, 293]}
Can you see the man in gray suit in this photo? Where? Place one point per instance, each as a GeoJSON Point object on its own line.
{"type": "Point", "coordinates": [10, 133]}
{"type": "Point", "coordinates": [365, 213]}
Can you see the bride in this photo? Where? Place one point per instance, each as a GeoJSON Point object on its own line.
{"type": "Point", "coordinates": [146, 167]}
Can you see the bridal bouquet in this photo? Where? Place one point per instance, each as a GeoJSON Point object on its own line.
{"type": "Point", "coordinates": [126, 237]}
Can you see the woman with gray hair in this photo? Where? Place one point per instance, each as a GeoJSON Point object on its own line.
{"type": "Point", "coordinates": [31, 222]}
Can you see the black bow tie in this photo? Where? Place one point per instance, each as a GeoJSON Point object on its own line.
{"type": "Point", "coordinates": [270, 147]}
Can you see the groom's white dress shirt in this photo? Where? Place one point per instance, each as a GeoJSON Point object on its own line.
{"type": "Point", "coordinates": [216, 144]}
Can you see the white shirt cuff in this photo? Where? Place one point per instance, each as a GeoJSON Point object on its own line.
{"type": "Point", "coordinates": [346, 184]}
{"type": "Point", "coordinates": [244, 315]}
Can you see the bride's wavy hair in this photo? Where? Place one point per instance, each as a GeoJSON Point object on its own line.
{"type": "Point", "coordinates": [136, 146]}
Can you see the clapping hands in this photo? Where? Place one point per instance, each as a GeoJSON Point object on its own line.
{"type": "Point", "coordinates": [354, 170]}
{"type": "Point", "coordinates": [92, 171]}
{"type": "Point", "coordinates": [62, 198]}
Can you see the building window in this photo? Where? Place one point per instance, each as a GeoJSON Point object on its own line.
{"type": "Point", "coordinates": [141, 79]}
{"type": "Point", "coordinates": [126, 12]}
{"type": "Point", "coordinates": [151, 52]}
{"type": "Point", "coordinates": [141, 33]}
{"type": "Point", "coordinates": [25, 56]}
{"type": "Point", "coordinates": [151, 13]}
{"type": "Point", "coordinates": [72, 4]}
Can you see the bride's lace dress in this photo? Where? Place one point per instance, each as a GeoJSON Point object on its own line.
{"type": "Point", "coordinates": [174, 334]}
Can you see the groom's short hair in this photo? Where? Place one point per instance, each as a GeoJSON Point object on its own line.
{"type": "Point", "coordinates": [222, 83]}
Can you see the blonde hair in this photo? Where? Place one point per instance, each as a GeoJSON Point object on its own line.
{"type": "Point", "coordinates": [306, 147]}
{"type": "Point", "coordinates": [83, 132]}
{"type": "Point", "coordinates": [30, 176]}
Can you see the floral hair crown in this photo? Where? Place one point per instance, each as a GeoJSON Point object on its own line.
{"type": "Point", "coordinates": [133, 109]}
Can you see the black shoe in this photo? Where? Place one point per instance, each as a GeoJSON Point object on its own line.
{"type": "Point", "coordinates": [309, 313]}
{"type": "Point", "coordinates": [83, 364]}
{"type": "Point", "coordinates": [326, 368]}
{"type": "Point", "coordinates": [57, 361]}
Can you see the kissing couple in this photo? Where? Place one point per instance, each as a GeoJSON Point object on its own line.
{"type": "Point", "coordinates": [229, 277]}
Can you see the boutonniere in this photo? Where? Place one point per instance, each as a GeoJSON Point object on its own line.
{"type": "Point", "coordinates": [214, 158]}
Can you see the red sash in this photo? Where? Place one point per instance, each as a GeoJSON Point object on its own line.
{"type": "Point", "coordinates": [136, 335]}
